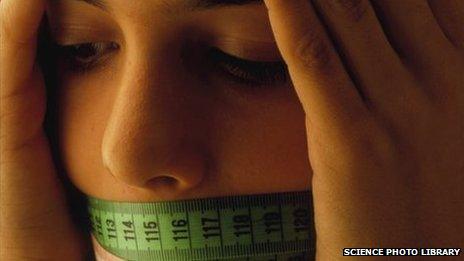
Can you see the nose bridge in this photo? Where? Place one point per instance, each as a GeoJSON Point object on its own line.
{"type": "Point", "coordinates": [145, 142]}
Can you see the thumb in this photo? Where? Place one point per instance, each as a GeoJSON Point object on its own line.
{"type": "Point", "coordinates": [334, 108]}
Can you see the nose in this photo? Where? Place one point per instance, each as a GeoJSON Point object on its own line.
{"type": "Point", "coordinates": [153, 135]}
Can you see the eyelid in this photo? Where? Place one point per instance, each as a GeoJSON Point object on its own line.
{"type": "Point", "coordinates": [70, 24]}
{"type": "Point", "coordinates": [248, 72]}
{"type": "Point", "coordinates": [95, 62]}
{"type": "Point", "coordinates": [76, 34]}
{"type": "Point", "coordinates": [248, 49]}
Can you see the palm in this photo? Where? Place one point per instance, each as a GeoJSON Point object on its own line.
{"type": "Point", "coordinates": [32, 198]}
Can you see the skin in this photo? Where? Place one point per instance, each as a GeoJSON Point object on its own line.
{"type": "Point", "coordinates": [146, 124]}
{"type": "Point", "coordinates": [380, 144]}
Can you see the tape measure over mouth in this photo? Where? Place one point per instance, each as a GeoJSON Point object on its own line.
{"type": "Point", "coordinates": [277, 226]}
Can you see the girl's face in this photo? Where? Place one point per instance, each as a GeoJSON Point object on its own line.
{"type": "Point", "coordinates": [175, 99]}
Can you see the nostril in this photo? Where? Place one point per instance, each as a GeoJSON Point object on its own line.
{"type": "Point", "coordinates": [165, 182]}
{"type": "Point", "coordinates": [167, 187]}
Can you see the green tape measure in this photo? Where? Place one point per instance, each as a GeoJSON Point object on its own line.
{"type": "Point", "coordinates": [276, 226]}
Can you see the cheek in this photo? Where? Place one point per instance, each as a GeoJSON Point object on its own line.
{"type": "Point", "coordinates": [262, 140]}
{"type": "Point", "coordinates": [83, 113]}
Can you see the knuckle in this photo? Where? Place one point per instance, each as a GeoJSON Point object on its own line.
{"type": "Point", "coordinates": [14, 30]}
{"type": "Point", "coordinates": [354, 10]}
{"type": "Point", "coordinates": [313, 51]}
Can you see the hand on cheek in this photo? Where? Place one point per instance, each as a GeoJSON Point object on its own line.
{"type": "Point", "coordinates": [382, 88]}
{"type": "Point", "coordinates": [32, 199]}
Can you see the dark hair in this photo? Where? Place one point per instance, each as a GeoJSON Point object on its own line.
{"type": "Point", "coordinates": [46, 56]}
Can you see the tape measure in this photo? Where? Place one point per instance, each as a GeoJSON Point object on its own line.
{"type": "Point", "coordinates": [276, 226]}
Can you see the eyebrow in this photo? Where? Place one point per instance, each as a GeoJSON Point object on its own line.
{"type": "Point", "coordinates": [191, 5]}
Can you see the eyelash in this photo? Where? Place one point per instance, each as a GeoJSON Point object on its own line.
{"type": "Point", "coordinates": [248, 72]}
{"type": "Point", "coordinates": [94, 55]}
{"type": "Point", "coordinates": [238, 70]}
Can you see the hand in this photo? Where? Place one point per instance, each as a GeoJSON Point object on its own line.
{"type": "Point", "coordinates": [384, 102]}
{"type": "Point", "coordinates": [34, 222]}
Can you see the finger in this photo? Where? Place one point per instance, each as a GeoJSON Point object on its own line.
{"type": "Point", "coordinates": [450, 17]}
{"type": "Point", "coordinates": [22, 92]}
{"type": "Point", "coordinates": [372, 60]}
{"type": "Point", "coordinates": [31, 193]}
{"type": "Point", "coordinates": [323, 86]}
{"type": "Point", "coordinates": [19, 22]}
{"type": "Point", "coordinates": [413, 30]}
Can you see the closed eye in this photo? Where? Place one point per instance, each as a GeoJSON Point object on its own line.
{"type": "Point", "coordinates": [248, 72]}
{"type": "Point", "coordinates": [86, 56]}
